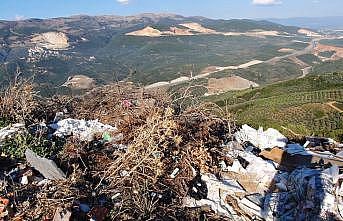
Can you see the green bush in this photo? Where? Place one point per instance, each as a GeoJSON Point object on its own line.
{"type": "Point", "coordinates": [16, 146]}
{"type": "Point", "coordinates": [3, 122]}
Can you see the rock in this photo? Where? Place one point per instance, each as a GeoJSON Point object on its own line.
{"type": "Point", "coordinates": [52, 40]}
{"type": "Point", "coordinates": [46, 167]}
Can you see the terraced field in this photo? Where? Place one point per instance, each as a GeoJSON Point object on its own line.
{"type": "Point", "coordinates": [309, 106]}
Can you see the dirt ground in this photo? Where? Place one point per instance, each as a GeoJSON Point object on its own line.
{"type": "Point", "coordinates": [322, 48]}
{"type": "Point", "coordinates": [52, 40]}
{"type": "Point", "coordinates": [228, 84]}
{"type": "Point", "coordinates": [80, 82]}
{"type": "Point", "coordinates": [148, 31]}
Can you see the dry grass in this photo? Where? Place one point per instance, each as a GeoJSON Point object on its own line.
{"type": "Point", "coordinates": [136, 184]}
{"type": "Point", "coordinates": [17, 102]}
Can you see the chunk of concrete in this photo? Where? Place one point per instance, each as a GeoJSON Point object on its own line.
{"type": "Point", "coordinates": [46, 167]}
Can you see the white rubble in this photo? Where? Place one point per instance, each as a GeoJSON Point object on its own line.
{"type": "Point", "coordinates": [262, 139]}
{"type": "Point", "coordinates": [11, 130]}
{"type": "Point", "coordinates": [82, 129]}
{"type": "Point", "coordinates": [218, 190]}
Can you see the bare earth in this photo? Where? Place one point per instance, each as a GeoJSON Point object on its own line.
{"type": "Point", "coordinates": [332, 105]}
{"type": "Point", "coordinates": [308, 32]}
{"type": "Point", "coordinates": [148, 31]}
{"type": "Point", "coordinates": [322, 48]}
{"type": "Point", "coordinates": [79, 82]}
{"type": "Point", "coordinates": [52, 40]}
{"type": "Point", "coordinates": [250, 63]}
{"type": "Point", "coordinates": [196, 29]}
{"type": "Point", "coordinates": [153, 32]}
{"type": "Point", "coordinates": [286, 50]}
{"type": "Point", "coordinates": [229, 84]}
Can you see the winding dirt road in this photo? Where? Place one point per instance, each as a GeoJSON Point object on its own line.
{"type": "Point", "coordinates": [306, 70]}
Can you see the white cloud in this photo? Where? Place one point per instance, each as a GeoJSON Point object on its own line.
{"type": "Point", "coordinates": [124, 2]}
{"type": "Point", "coordinates": [19, 17]}
{"type": "Point", "coordinates": [266, 2]}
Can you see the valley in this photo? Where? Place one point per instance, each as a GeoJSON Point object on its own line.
{"type": "Point", "coordinates": [171, 110]}
{"type": "Point", "coordinates": [307, 106]}
{"type": "Point", "coordinates": [155, 50]}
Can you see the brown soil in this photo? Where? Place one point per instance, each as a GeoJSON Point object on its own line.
{"type": "Point", "coordinates": [229, 84]}
{"type": "Point", "coordinates": [209, 69]}
{"type": "Point", "coordinates": [198, 28]}
{"type": "Point", "coordinates": [148, 31]}
{"type": "Point", "coordinates": [80, 82]}
{"type": "Point", "coordinates": [286, 50]}
{"type": "Point", "coordinates": [322, 48]}
{"type": "Point", "coordinates": [52, 40]}
{"type": "Point", "coordinates": [307, 32]}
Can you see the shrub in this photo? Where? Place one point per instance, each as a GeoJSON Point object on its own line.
{"type": "Point", "coordinates": [16, 146]}
{"type": "Point", "coordinates": [17, 102]}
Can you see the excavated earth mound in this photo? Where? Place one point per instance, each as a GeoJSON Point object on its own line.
{"type": "Point", "coordinates": [52, 40]}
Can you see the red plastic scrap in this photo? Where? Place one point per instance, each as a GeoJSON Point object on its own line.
{"type": "Point", "coordinates": [127, 103]}
{"type": "Point", "coordinates": [4, 201]}
{"type": "Point", "coordinates": [3, 204]}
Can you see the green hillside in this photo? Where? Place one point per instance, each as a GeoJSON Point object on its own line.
{"type": "Point", "coordinates": [308, 106]}
{"type": "Point", "coordinates": [144, 60]}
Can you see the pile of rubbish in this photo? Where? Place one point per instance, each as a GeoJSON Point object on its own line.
{"type": "Point", "coordinates": [128, 154]}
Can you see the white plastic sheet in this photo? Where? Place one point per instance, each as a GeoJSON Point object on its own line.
{"type": "Point", "coordinates": [218, 190]}
{"type": "Point", "coordinates": [9, 131]}
{"type": "Point", "coordinates": [262, 139]}
{"type": "Point", "coordinates": [82, 129]}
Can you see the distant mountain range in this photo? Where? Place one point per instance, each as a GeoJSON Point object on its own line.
{"type": "Point", "coordinates": [150, 48]}
{"type": "Point", "coordinates": [334, 22]}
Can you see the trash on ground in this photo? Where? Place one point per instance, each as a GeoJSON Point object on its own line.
{"type": "Point", "coordinates": [62, 214]}
{"type": "Point", "coordinates": [163, 162]}
{"type": "Point", "coordinates": [82, 129]}
{"type": "Point", "coordinates": [259, 138]}
{"type": "Point", "coordinates": [11, 130]}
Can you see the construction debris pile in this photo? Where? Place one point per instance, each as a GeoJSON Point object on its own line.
{"type": "Point", "coordinates": [126, 154]}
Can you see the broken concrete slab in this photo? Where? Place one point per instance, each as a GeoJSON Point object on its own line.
{"type": "Point", "coordinates": [46, 167]}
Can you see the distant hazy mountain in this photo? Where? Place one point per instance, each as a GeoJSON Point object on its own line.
{"type": "Point", "coordinates": [161, 47]}
{"type": "Point", "coordinates": [335, 22]}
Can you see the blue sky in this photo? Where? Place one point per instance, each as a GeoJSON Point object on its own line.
{"type": "Point", "coordinates": [18, 9]}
